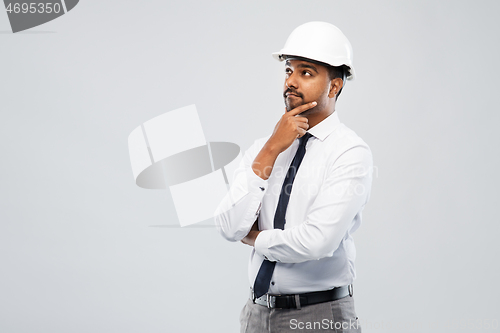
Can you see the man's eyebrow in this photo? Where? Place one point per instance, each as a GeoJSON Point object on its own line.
{"type": "Point", "coordinates": [302, 65]}
{"type": "Point", "coordinates": [308, 66]}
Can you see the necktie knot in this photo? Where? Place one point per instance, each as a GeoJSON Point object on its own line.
{"type": "Point", "coordinates": [304, 138]}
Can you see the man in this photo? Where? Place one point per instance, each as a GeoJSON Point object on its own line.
{"type": "Point", "coordinates": [298, 194]}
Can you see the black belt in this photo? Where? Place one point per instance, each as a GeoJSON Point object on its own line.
{"type": "Point", "coordinates": [299, 300]}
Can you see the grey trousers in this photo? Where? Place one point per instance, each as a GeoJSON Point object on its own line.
{"type": "Point", "coordinates": [337, 316]}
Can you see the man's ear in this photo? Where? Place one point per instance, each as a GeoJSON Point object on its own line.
{"type": "Point", "coordinates": [335, 86]}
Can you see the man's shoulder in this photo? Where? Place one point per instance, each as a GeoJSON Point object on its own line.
{"type": "Point", "coordinates": [344, 138]}
{"type": "Point", "coordinates": [343, 143]}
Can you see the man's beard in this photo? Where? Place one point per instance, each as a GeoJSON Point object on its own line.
{"type": "Point", "coordinates": [292, 105]}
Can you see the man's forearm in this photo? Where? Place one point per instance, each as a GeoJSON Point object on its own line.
{"type": "Point", "coordinates": [252, 235]}
{"type": "Point", "coordinates": [263, 164]}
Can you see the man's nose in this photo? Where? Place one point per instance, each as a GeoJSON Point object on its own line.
{"type": "Point", "coordinates": [291, 81]}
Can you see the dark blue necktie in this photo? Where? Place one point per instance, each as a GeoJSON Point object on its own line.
{"type": "Point", "coordinates": [261, 285]}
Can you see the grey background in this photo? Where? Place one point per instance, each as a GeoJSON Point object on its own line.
{"type": "Point", "coordinates": [79, 250]}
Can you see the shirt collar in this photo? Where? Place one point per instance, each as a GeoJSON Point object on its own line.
{"type": "Point", "coordinates": [325, 127]}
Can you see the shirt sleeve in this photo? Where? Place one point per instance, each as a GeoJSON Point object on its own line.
{"type": "Point", "coordinates": [239, 209]}
{"type": "Point", "coordinates": [343, 194]}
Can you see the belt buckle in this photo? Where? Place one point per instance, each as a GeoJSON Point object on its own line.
{"type": "Point", "coordinates": [271, 301]}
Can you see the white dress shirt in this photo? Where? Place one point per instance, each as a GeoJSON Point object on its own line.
{"type": "Point", "coordinates": [315, 251]}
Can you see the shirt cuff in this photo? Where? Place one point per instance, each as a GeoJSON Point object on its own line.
{"type": "Point", "coordinates": [256, 185]}
{"type": "Point", "coordinates": [262, 242]}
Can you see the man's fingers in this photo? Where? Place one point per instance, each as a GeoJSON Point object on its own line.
{"type": "Point", "coordinates": [305, 126]}
{"type": "Point", "coordinates": [302, 108]}
{"type": "Point", "coordinates": [301, 132]}
{"type": "Point", "coordinates": [301, 119]}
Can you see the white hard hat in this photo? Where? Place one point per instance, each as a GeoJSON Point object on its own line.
{"type": "Point", "coordinates": [319, 41]}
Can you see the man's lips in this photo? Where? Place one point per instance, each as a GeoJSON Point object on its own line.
{"type": "Point", "coordinates": [291, 94]}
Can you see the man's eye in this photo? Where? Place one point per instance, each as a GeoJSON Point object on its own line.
{"type": "Point", "coordinates": [306, 73]}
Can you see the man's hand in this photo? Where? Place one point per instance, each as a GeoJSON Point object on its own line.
{"type": "Point", "coordinates": [252, 235]}
{"type": "Point", "coordinates": [290, 127]}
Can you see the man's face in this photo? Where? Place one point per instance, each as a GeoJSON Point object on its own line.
{"type": "Point", "coordinates": [305, 82]}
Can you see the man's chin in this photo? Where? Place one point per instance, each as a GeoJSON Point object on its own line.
{"type": "Point", "coordinates": [291, 106]}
